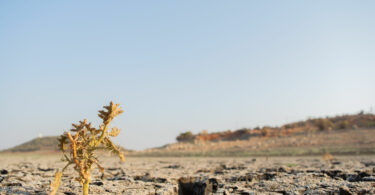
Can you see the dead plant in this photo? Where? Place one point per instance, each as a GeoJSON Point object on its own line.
{"type": "Point", "coordinates": [79, 146]}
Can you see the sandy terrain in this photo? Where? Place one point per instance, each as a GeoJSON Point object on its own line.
{"type": "Point", "coordinates": [32, 174]}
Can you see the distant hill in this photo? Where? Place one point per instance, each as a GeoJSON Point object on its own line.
{"type": "Point", "coordinates": [42, 144]}
{"type": "Point", "coordinates": [344, 134]}
{"type": "Point", "coordinates": [343, 122]}
{"type": "Point", "coordinates": [336, 142]}
{"type": "Point", "coordinates": [38, 144]}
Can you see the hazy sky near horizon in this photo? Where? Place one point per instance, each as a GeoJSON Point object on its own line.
{"type": "Point", "coordinates": [181, 65]}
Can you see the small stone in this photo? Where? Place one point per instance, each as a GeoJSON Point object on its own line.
{"type": "Point", "coordinates": [353, 178]}
{"type": "Point", "coordinates": [332, 173]}
{"type": "Point", "coordinates": [197, 185]}
{"type": "Point", "coordinates": [173, 167]}
{"type": "Point", "coordinates": [368, 179]}
{"type": "Point", "coordinates": [13, 184]}
{"type": "Point", "coordinates": [283, 169]}
{"type": "Point", "coordinates": [45, 169]}
{"type": "Point", "coordinates": [369, 163]}
{"type": "Point", "coordinates": [97, 183]}
{"type": "Point", "coordinates": [336, 163]}
{"type": "Point", "coordinates": [4, 172]}
{"type": "Point", "coordinates": [344, 191]}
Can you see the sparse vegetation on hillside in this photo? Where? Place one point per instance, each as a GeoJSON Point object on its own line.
{"type": "Point", "coordinates": [323, 124]}
{"type": "Point", "coordinates": [79, 146]}
{"type": "Point", "coordinates": [186, 136]}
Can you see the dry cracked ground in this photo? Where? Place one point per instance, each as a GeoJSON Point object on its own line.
{"type": "Point", "coordinates": [32, 174]}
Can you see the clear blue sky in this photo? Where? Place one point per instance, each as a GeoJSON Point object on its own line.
{"type": "Point", "coordinates": [181, 65]}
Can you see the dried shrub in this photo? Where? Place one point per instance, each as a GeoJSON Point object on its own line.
{"type": "Point", "coordinates": [343, 124]}
{"type": "Point", "coordinates": [186, 136]}
{"type": "Point", "coordinates": [79, 146]}
{"type": "Point", "coordinates": [324, 124]}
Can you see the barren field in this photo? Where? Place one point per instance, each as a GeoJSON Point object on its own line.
{"type": "Point", "coordinates": [32, 174]}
